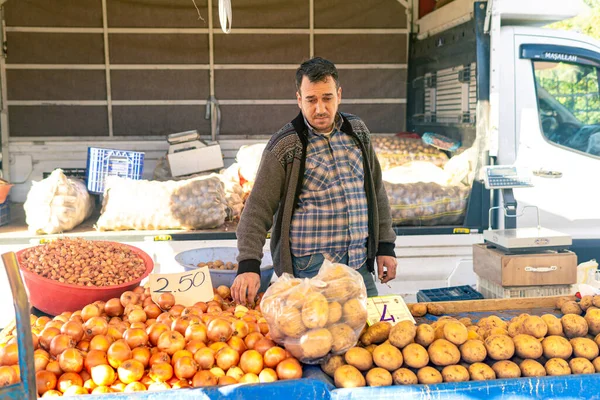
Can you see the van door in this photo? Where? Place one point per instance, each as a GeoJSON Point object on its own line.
{"type": "Point", "coordinates": [557, 124]}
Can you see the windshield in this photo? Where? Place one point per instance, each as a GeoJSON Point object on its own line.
{"type": "Point", "coordinates": [569, 104]}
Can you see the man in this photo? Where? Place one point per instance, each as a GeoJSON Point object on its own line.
{"type": "Point", "coordinates": [321, 179]}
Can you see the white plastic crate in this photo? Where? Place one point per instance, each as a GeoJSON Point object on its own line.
{"type": "Point", "coordinates": [491, 290]}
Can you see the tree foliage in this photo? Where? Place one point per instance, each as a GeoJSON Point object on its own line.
{"type": "Point", "coordinates": [588, 24]}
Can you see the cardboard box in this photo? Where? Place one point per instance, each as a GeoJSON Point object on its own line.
{"type": "Point", "coordinates": [549, 268]}
{"type": "Point", "coordinates": [195, 159]}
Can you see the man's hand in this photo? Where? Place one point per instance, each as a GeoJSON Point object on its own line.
{"type": "Point", "coordinates": [389, 263]}
{"type": "Point", "coordinates": [246, 284]}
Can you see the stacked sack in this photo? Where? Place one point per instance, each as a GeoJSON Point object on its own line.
{"type": "Point", "coordinates": [197, 203]}
{"type": "Point", "coordinates": [318, 317]}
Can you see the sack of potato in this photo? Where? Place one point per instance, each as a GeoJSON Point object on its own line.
{"type": "Point", "coordinates": [427, 204]}
{"type": "Point", "coordinates": [197, 203]}
{"type": "Point", "coordinates": [318, 317]}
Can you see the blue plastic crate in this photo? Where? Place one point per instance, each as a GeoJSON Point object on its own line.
{"type": "Point", "coordinates": [452, 293]}
{"type": "Point", "coordinates": [108, 162]}
{"type": "Point", "coordinates": [4, 213]}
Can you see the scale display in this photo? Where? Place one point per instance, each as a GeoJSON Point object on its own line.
{"type": "Point", "coordinates": [506, 177]}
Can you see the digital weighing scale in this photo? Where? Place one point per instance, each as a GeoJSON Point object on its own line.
{"type": "Point", "coordinates": [513, 239]}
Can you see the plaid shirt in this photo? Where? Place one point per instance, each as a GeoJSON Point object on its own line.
{"type": "Point", "coordinates": [332, 214]}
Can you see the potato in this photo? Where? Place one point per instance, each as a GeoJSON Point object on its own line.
{"type": "Point", "coordinates": [535, 326]}
{"type": "Point", "coordinates": [596, 301]}
{"type": "Point", "coordinates": [596, 364]}
{"type": "Point", "coordinates": [348, 376]}
{"type": "Point", "coordinates": [455, 373]}
{"type": "Point", "coordinates": [574, 326]}
{"type": "Point", "coordinates": [472, 335]}
{"type": "Point", "coordinates": [527, 346]}
{"type": "Point", "coordinates": [532, 368]}
{"type": "Point", "coordinates": [294, 348]}
{"type": "Point", "coordinates": [388, 357]}
{"type": "Point", "coordinates": [499, 347]}
{"type": "Point", "coordinates": [290, 322]}
{"type": "Point", "coordinates": [340, 289]}
{"type": "Point", "coordinates": [359, 358]}
{"type": "Point", "coordinates": [473, 351]}
{"type": "Point", "coordinates": [466, 321]}
{"type": "Point", "coordinates": [376, 333]}
{"type": "Point", "coordinates": [506, 369]}
{"type": "Point", "coordinates": [404, 376]}
{"type": "Point", "coordinates": [584, 347]}
{"type": "Point", "coordinates": [455, 333]}
{"type": "Point", "coordinates": [371, 348]}
{"type": "Point", "coordinates": [492, 322]}
{"type": "Point", "coordinates": [379, 377]}
{"type": "Point", "coordinates": [485, 333]}
{"type": "Point", "coordinates": [557, 347]}
{"type": "Point", "coordinates": [580, 365]}
{"type": "Point", "coordinates": [429, 375]}
{"type": "Point", "coordinates": [335, 313]}
{"type": "Point", "coordinates": [435, 309]}
{"type": "Point", "coordinates": [592, 317]}
{"type": "Point", "coordinates": [316, 343]}
{"type": "Point", "coordinates": [354, 313]}
{"type": "Point", "coordinates": [553, 324]}
{"type": "Point", "coordinates": [557, 367]}
{"type": "Point", "coordinates": [332, 363]}
{"type": "Point", "coordinates": [560, 302]}
{"type": "Point", "coordinates": [481, 372]}
{"type": "Point", "coordinates": [418, 309]}
{"type": "Point", "coordinates": [586, 302]}
{"type": "Point", "coordinates": [402, 334]}
{"type": "Point", "coordinates": [442, 353]}
{"type": "Point", "coordinates": [570, 307]}
{"type": "Point", "coordinates": [298, 296]}
{"type": "Point", "coordinates": [343, 338]}
{"type": "Point", "coordinates": [439, 329]}
{"type": "Point", "coordinates": [425, 335]}
{"type": "Point", "coordinates": [415, 355]}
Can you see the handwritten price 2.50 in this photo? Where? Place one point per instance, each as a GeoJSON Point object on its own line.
{"type": "Point", "coordinates": [186, 282]}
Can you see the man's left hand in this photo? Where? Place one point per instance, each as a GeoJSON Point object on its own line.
{"type": "Point", "coordinates": [386, 268]}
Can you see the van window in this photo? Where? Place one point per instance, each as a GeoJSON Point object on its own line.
{"type": "Point", "coordinates": [569, 104]}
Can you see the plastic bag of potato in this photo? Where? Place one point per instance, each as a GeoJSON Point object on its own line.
{"type": "Point", "coordinates": [317, 317]}
{"type": "Point", "coordinates": [196, 203]}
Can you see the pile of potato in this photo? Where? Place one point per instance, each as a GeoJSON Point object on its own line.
{"type": "Point", "coordinates": [457, 350]}
{"type": "Point", "coordinates": [313, 318]}
{"type": "Point", "coordinates": [218, 264]}
{"type": "Point", "coordinates": [393, 151]}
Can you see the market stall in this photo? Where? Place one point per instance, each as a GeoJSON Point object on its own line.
{"type": "Point", "coordinates": [488, 322]}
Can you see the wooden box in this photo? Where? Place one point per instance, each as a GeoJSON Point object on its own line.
{"type": "Point", "coordinates": [544, 268]}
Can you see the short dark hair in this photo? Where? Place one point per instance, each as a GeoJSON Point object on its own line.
{"type": "Point", "coordinates": [317, 69]}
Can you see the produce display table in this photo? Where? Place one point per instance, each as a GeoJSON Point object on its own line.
{"type": "Point", "coordinates": [563, 387]}
{"type": "Point", "coordinates": [315, 384]}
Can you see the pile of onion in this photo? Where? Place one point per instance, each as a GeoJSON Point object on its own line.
{"type": "Point", "coordinates": [131, 344]}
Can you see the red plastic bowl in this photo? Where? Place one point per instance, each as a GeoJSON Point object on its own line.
{"type": "Point", "coordinates": [54, 297]}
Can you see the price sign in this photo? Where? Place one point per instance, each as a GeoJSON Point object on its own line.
{"type": "Point", "coordinates": [391, 308]}
{"type": "Point", "coordinates": [188, 287]}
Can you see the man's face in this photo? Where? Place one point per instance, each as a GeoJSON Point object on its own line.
{"type": "Point", "coordinates": [319, 102]}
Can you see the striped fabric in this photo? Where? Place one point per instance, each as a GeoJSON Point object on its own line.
{"type": "Point", "coordinates": [332, 215]}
